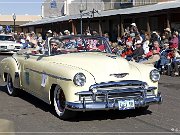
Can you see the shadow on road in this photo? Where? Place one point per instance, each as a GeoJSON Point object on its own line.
{"type": "Point", "coordinates": [81, 116]}
{"type": "Point", "coordinates": [111, 114]}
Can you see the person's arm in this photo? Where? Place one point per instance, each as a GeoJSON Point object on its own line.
{"type": "Point", "coordinates": [152, 60]}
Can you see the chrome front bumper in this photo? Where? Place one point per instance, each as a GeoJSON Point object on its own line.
{"type": "Point", "coordinates": [111, 105]}
{"type": "Point", "coordinates": [142, 96]}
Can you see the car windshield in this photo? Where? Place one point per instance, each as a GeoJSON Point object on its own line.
{"type": "Point", "coordinates": [72, 44]}
{"type": "Point", "coordinates": [6, 38]}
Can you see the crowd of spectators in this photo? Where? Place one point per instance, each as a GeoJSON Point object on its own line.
{"type": "Point", "coordinates": [158, 49]}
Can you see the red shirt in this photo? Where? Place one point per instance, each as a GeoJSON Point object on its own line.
{"type": "Point", "coordinates": [127, 52]}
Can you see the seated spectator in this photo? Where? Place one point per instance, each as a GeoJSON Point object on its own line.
{"type": "Point", "coordinates": [146, 44]}
{"type": "Point", "coordinates": [137, 53]}
{"type": "Point", "coordinates": [94, 33]}
{"type": "Point", "coordinates": [164, 41]}
{"type": "Point", "coordinates": [128, 38]}
{"type": "Point", "coordinates": [87, 32]}
{"type": "Point", "coordinates": [106, 35]}
{"type": "Point", "coordinates": [167, 33]}
{"type": "Point", "coordinates": [156, 45]}
{"type": "Point", "coordinates": [67, 32]}
{"type": "Point", "coordinates": [164, 59]}
{"type": "Point", "coordinates": [114, 47]}
{"type": "Point", "coordinates": [155, 37]}
{"type": "Point", "coordinates": [176, 62]}
{"type": "Point", "coordinates": [138, 38]}
{"type": "Point", "coordinates": [39, 39]}
{"type": "Point", "coordinates": [174, 41]}
{"type": "Point", "coordinates": [119, 41]}
{"type": "Point", "coordinates": [153, 59]}
{"type": "Point", "coordinates": [127, 50]}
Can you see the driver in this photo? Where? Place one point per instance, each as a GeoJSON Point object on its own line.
{"type": "Point", "coordinates": [55, 45]}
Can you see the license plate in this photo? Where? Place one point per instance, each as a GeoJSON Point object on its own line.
{"type": "Point", "coordinates": [126, 104]}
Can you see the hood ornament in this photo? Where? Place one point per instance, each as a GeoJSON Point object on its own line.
{"type": "Point", "coordinates": [120, 75]}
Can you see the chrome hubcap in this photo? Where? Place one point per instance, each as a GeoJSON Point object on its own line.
{"type": "Point", "coordinates": [60, 100]}
{"type": "Point", "coordinates": [9, 85]}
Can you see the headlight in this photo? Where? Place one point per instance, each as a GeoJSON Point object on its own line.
{"type": "Point", "coordinates": [155, 75]}
{"type": "Point", "coordinates": [79, 79]}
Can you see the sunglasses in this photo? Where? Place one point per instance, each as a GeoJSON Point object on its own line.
{"type": "Point", "coordinates": [54, 44]}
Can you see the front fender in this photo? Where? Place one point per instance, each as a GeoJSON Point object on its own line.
{"type": "Point", "coordinates": [10, 66]}
{"type": "Point", "coordinates": [65, 75]}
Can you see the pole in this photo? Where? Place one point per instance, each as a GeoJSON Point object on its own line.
{"type": "Point", "coordinates": [81, 23]}
{"type": "Point", "coordinates": [14, 25]}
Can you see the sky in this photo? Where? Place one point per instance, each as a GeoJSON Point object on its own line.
{"type": "Point", "coordinates": [20, 7]}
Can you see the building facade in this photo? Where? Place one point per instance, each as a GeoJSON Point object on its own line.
{"type": "Point", "coordinates": [7, 20]}
{"type": "Point", "coordinates": [149, 17]}
{"type": "Point", "coordinates": [52, 8]}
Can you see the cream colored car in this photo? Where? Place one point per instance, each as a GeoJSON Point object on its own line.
{"type": "Point", "coordinates": [80, 73]}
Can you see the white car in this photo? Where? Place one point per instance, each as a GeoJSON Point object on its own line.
{"type": "Point", "coordinates": [7, 44]}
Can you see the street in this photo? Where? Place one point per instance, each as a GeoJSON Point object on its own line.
{"type": "Point", "coordinates": [31, 115]}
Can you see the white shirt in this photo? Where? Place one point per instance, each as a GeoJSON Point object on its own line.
{"type": "Point", "coordinates": [146, 47]}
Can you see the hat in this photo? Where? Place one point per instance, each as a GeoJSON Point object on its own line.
{"type": "Point", "coordinates": [138, 42]}
{"type": "Point", "coordinates": [66, 31]}
{"type": "Point", "coordinates": [133, 24]}
{"type": "Point", "coordinates": [55, 40]}
{"type": "Point", "coordinates": [21, 33]}
{"type": "Point", "coordinates": [129, 43]}
{"type": "Point", "coordinates": [32, 32]}
{"type": "Point", "coordinates": [132, 34]}
{"type": "Point", "coordinates": [175, 33]}
{"type": "Point", "coordinates": [167, 29]}
{"type": "Point", "coordinates": [49, 31]}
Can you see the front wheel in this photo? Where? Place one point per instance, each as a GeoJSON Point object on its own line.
{"type": "Point", "coordinates": [60, 105]}
{"type": "Point", "coordinates": [10, 87]}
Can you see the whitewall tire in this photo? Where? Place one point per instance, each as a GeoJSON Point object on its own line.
{"type": "Point", "coordinates": [10, 87]}
{"type": "Point", "coordinates": [60, 104]}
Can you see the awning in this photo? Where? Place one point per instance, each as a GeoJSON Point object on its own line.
{"type": "Point", "coordinates": [126, 11]}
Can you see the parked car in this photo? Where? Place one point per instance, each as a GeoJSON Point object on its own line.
{"type": "Point", "coordinates": [7, 44]}
{"type": "Point", "coordinates": [80, 73]}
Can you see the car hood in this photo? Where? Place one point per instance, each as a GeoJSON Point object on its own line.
{"type": "Point", "coordinates": [104, 67]}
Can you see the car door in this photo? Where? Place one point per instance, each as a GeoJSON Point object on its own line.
{"type": "Point", "coordinates": [24, 73]}
{"type": "Point", "coordinates": [32, 75]}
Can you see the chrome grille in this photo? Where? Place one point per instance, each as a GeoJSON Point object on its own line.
{"type": "Point", "coordinates": [105, 92]}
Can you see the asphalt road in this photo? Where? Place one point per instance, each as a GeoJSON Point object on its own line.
{"type": "Point", "coordinates": [32, 116]}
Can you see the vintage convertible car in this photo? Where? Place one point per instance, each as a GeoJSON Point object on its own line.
{"type": "Point", "coordinates": [8, 44]}
{"type": "Point", "coordinates": [80, 73]}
